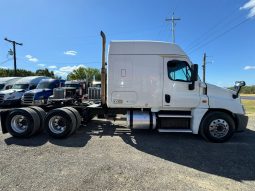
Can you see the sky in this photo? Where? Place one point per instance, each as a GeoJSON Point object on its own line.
{"type": "Point", "coordinates": [62, 35]}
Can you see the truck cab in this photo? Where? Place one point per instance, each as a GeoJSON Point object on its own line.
{"type": "Point", "coordinates": [7, 82]}
{"type": "Point", "coordinates": [13, 95]}
{"type": "Point", "coordinates": [159, 86]}
{"type": "Point", "coordinates": [39, 96]}
{"type": "Point", "coordinates": [72, 92]}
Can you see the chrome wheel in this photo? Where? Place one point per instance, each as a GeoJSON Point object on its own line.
{"type": "Point", "coordinates": [57, 124]}
{"type": "Point", "coordinates": [19, 124]}
{"type": "Point", "coordinates": [219, 128]}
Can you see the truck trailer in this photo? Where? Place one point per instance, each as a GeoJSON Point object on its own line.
{"type": "Point", "coordinates": [155, 85]}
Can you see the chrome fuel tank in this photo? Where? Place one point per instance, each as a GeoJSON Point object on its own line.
{"type": "Point", "coordinates": [141, 120]}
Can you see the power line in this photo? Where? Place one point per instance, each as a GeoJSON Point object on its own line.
{"type": "Point", "coordinates": [226, 20]}
{"type": "Point", "coordinates": [220, 35]}
{"type": "Point", "coordinates": [6, 61]}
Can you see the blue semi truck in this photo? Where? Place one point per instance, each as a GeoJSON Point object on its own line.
{"type": "Point", "coordinates": [43, 91]}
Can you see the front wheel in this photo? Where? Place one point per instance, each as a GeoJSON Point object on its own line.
{"type": "Point", "coordinates": [217, 127]}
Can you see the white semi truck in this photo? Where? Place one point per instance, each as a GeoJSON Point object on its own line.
{"type": "Point", "coordinates": [12, 97]}
{"type": "Point", "coordinates": [156, 85]}
{"type": "Point", "coordinates": [7, 82]}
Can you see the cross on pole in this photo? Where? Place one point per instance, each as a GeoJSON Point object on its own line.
{"type": "Point", "coordinates": [14, 53]}
{"type": "Point", "coordinates": [173, 20]}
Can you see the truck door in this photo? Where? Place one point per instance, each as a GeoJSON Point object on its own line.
{"type": "Point", "coordinates": [176, 93]}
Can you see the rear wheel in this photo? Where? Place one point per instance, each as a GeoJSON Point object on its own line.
{"type": "Point", "coordinates": [77, 116]}
{"type": "Point", "coordinates": [217, 127]}
{"type": "Point", "coordinates": [23, 122]}
{"type": "Point", "coordinates": [41, 113]}
{"type": "Point", "coordinates": [60, 123]}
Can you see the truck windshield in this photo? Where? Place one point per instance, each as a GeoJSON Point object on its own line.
{"type": "Point", "coordinates": [73, 85]}
{"type": "Point", "coordinates": [2, 86]}
{"type": "Point", "coordinates": [46, 85]}
{"type": "Point", "coordinates": [20, 86]}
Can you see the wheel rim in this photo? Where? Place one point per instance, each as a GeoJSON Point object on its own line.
{"type": "Point", "coordinates": [57, 124]}
{"type": "Point", "coordinates": [219, 128]}
{"type": "Point", "coordinates": [19, 123]}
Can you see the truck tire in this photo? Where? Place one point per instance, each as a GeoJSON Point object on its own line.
{"type": "Point", "coordinates": [41, 113]}
{"type": "Point", "coordinates": [60, 123]}
{"type": "Point", "coordinates": [23, 122]}
{"type": "Point", "coordinates": [76, 114]}
{"type": "Point", "coordinates": [217, 127]}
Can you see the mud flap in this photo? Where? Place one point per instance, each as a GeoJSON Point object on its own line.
{"type": "Point", "coordinates": [3, 116]}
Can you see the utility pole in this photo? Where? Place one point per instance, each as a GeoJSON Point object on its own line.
{"type": "Point", "coordinates": [173, 20]}
{"type": "Point", "coordinates": [204, 67]}
{"type": "Point", "coordinates": [14, 53]}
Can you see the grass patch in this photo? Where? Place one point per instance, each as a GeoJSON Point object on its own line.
{"type": "Point", "coordinates": [249, 106]}
{"type": "Point", "coordinates": [247, 95]}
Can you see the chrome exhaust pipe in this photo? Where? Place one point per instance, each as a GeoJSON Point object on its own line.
{"type": "Point", "coordinates": [103, 71]}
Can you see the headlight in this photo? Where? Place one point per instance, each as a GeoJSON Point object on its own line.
{"type": "Point", "coordinates": [11, 97]}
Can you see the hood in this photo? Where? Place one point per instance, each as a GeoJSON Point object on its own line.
{"type": "Point", "coordinates": [35, 91]}
{"type": "Point", "coordinates": [213, 90]}
{"type": "Point", "coordinates": [40, 93]}
{"type": "Point", "coordinates": [10, 91]}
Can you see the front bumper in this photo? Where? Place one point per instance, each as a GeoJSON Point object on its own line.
{"type": "Point", "coordinates": [241, 122]}
{"type": "Point", "coordinates": [10, 102]}
{"type": "Point", "coordinates": [39, 102]}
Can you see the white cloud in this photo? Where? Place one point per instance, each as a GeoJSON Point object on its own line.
{"type": "Point", "coordinates": [30, 58]}
{"type": "Point", "coordinates": [249, 68]}
{"type": "Point", "coordinates": [52, 67]}
{"type": "Point", "coordinates": [70, 52]}
{"type": "Point", "coordinates": [3, 67]}
{"type": "Point", "coordinates": [41, 65]}
{"type": "Point", "coordinates": [250, 5]}
{"type": "Point", "coordinates": [65, 70]}
{"type": "Point", "coordinates": [59, 73]}
{"type": "Point", "coordinates": [70, 68]}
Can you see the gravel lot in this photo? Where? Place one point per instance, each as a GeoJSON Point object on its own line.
{"type": "Point", "coordinates": [106, 156]}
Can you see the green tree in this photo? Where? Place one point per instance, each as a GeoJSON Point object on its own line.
{"type": "Point", "coordinates": [24, 73]}
{"type": "Point", "coordinates": [85, 74]}
{"type": "Point", "coordinates": [45, 72]}
{"type": "Point", "coordinates": [78, 74]}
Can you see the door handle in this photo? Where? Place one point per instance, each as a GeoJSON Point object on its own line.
{"type": "Point", "coordinates": [167, 98]}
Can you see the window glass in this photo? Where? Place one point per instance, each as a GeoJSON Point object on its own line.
{"type": "Point", "coordinates": [20, 86]}
{"type": "Point", "coordinates": [45, 85]}
{"type": "Point", "coordinates": [77, 86]}
{"type": "Point", "coordinates": [179, 71]}
{"type": "Point", "coordinates": [8, 87]}
{"type": "Point", "coordinates": [32, 87]}
{"type": "Point", "coordinates": [2, 86]}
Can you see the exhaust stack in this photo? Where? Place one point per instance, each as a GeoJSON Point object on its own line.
{"type": "Point", "coordinates": [103, 71]}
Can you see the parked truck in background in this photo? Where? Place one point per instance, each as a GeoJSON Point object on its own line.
{"type": "Point", "coordinates": [13, 96]}
{"type": "Point", "coordinates": [39, 96]}
{"type": "Point", "coordinates": [94, 91]}
{"type": "Point", "coordinates": [7, 82]}
{"type": "Point", "coordinates": [73, 92]}
{"type": "Point", "coordinates": [156, 86]}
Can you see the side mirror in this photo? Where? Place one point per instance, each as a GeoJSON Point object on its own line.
{"type": "Point", "coordinates": [240, 83]}
{"type": "Point", "coordinates": [238, 86]}
{"type": "Point", "coordinates": [194, 76]}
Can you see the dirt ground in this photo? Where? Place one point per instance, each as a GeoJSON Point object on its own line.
{"type": "Point", "coordinates": [107, 156]}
